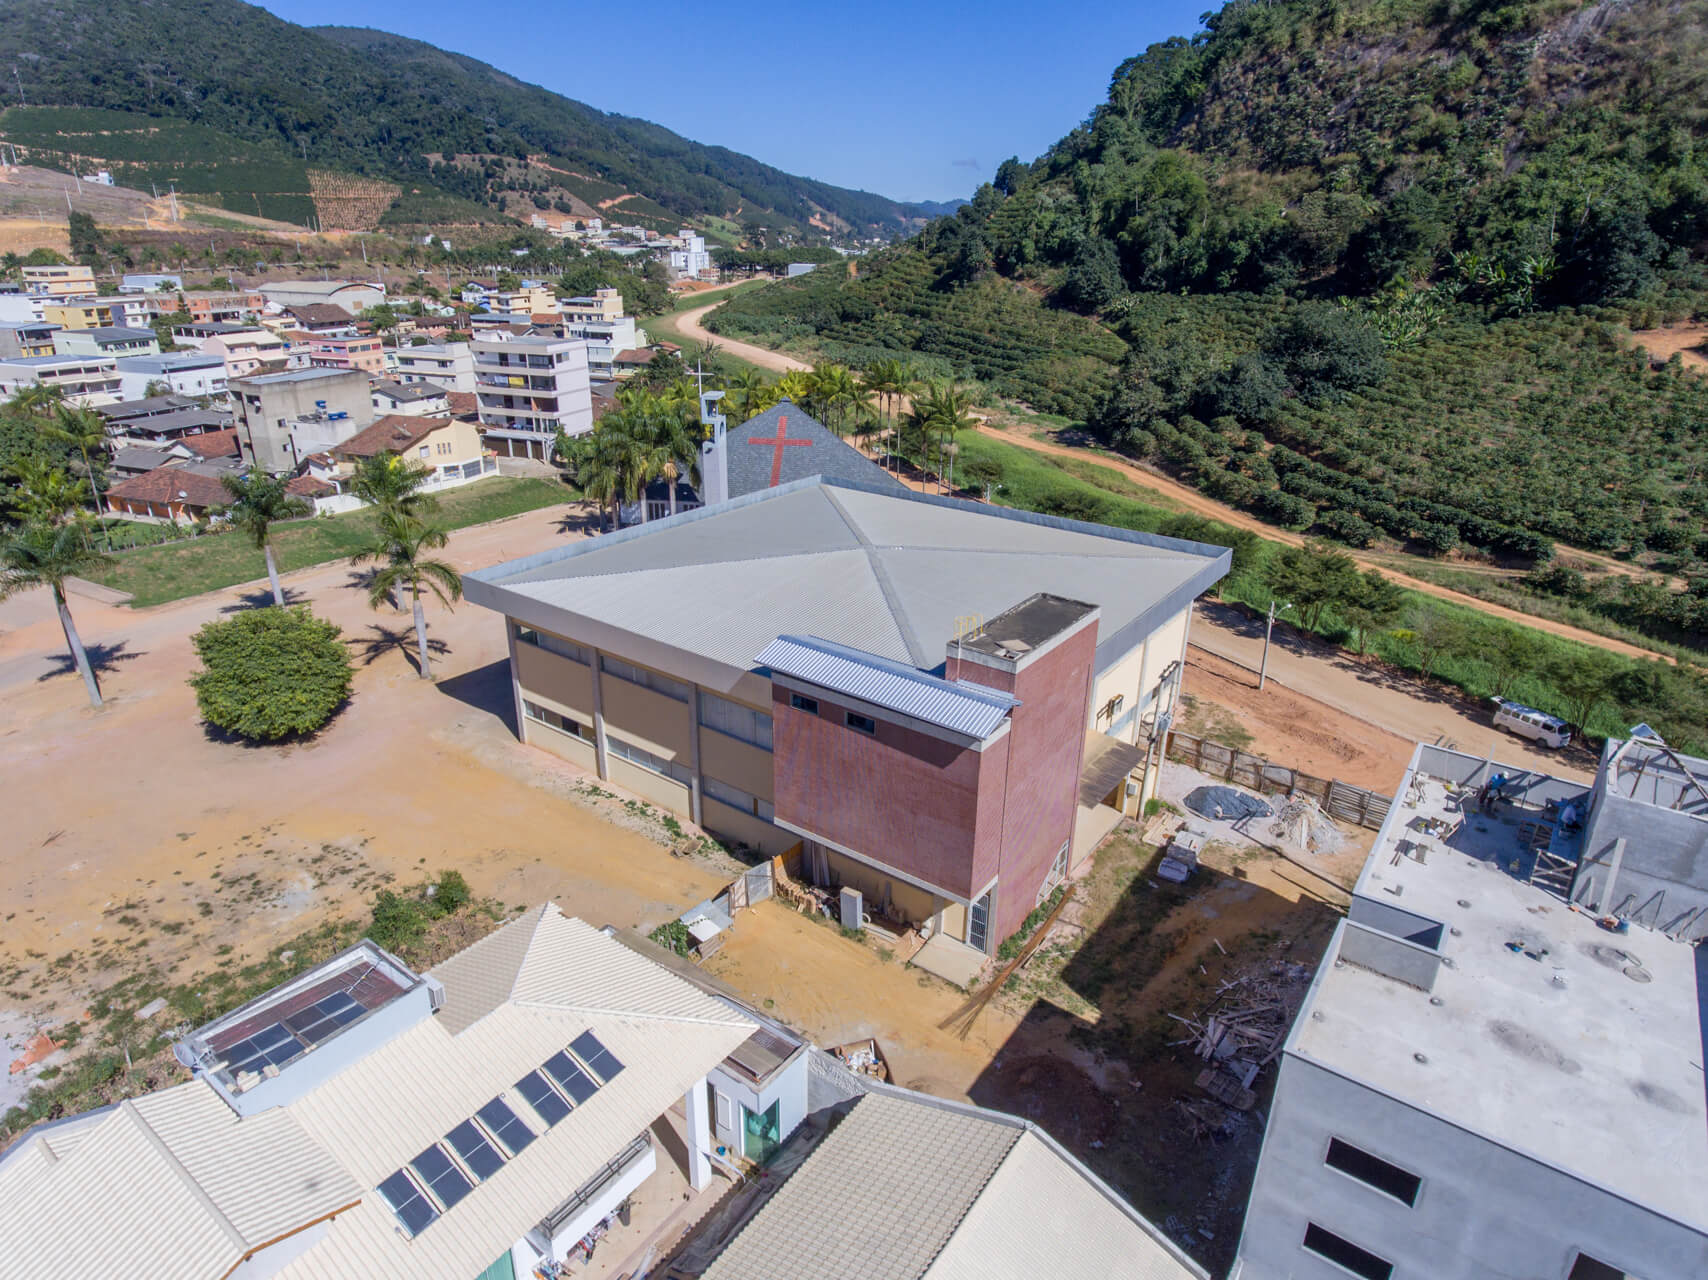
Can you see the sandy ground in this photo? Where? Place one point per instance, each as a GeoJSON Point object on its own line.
{"type": "Point", "coordinates": [1687, 341]}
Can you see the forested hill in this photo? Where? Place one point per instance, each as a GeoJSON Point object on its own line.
{"type": "Point", "coordinates": [1362, 267]}
{"type": "Point", "coordinates": [380, 105]}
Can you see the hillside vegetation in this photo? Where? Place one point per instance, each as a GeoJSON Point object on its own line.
{"type": "Point", "coordinates": [1364, 267]}
{"type": "Point", "coordinates": [379, 105]}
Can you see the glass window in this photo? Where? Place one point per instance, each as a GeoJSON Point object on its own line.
{"type": "Point", "coordinates": [736, 798]}
{"type": "Point", "coordinates": [646, 679]}
{"type": "Point", "coordinates": [645, 759]}
{"type": "Point", "coordinates": [558, 721]}
{"type": "Point", "coordinates": [739, 722]}
{"type": "Point", "coordinates": [864, 724]}
{"type": "Point", "coordinates": [800, 702]}
{"type": "Point", "coordinates": [554, 644]}
{"type": "Point", "coordinates": [978, 924]}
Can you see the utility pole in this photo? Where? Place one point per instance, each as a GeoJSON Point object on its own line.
{"type": "Point", "coordinates": [1268, 630]}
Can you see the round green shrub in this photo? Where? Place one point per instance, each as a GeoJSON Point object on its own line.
{"type": "Point", "coordinates": [271, 673]}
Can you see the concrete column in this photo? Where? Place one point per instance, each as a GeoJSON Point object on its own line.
{"type": "Point", "coordinates": [697, 1118]}
{"type": "Point", "coordinates": [599, 763]}
{"type": "Point", "coordinates": [694, 754]}
{"type": "Point", "coordinates": [515, 682]}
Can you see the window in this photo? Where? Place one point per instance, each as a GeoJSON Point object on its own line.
{"type": "Point", "coordinates": [645, 759]}
{"type": "Point", "coordinates": [741, 723]}
{"type": "Point", "coordinates": [1387, 1178]}
{"type": "Point", "coordinates": [1346, 1255]}
{"type": "Point", "coordinates": [1585, 1267]}
{"type": "Point", "coordinates": [447, 1182]}
{"type": "Point", "coordinates": [800, 702]}
{"type": "Point", "coordinates": [978, 924]}
{"type": "Point", "coordinates": [555, 644]}
{"type": "Point", "coordinates": [736, 798]}
{"type": "Point", "coordinates": [646, 679]}
{"type": "Point", "coordinates": [860, 723]}
{"type": "Point", "coordinates": [542, 1097]}
{"type": "Point", "coordinates": [1058, 871]}
{"type": "Point", "coordinates": [556, 720]}
{"type": "Point", "coordinates": [475, 1150]}
{"type": "Point", "coordinates": [413, 1209]}
{"type": "Point", "coordinates": [422, 451]}
{"type": "Point", "coordinates": [505, 1125]}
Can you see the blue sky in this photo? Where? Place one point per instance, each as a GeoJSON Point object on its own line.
{"type": "Point", "coordinates": [917, 101]}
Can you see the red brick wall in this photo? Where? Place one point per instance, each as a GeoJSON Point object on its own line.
{"type": "Point", "coordinates": [902, 797]}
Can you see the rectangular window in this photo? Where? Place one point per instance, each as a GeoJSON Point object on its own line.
{"type": "Point", "coordinates": [555, 644]}
{"type": "Point", "coordinates": [646, 679]}
{"type": "Point", "coordinates": [558, 721]}
{"type": "Point", "coordinates": [1585, 1267]}
{"type": "Point", "coordinates": [1346, 1255]}
{"type": "Point", "coordinates": [800, 702]}
{"type": "Point", "coordinates": [741, 723]}
{"type": "Point", "coordinates": [1058, 872]}
{"type": "Point", "coordinates": [1373, 1171]}
{"type": "Point", "coordinates": [863, 724]}
{"type": "Point", "coordinates": [645, 759]}
{"type": "Point", "coordinates": [736, 798]}
{"type": "Point", "coordinates": [978, 924]}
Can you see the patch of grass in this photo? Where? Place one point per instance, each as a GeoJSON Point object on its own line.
{"type": "Point", "coordinates": [673, 936]}
{"type": "Point", "coordinates": [156, 575]}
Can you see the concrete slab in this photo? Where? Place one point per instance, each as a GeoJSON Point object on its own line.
{"type": "Point", "coordinates": [952, 961]}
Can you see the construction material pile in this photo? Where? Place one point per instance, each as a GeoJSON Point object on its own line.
{"type": "Point", "coordinates": [1302, 823]}
{"type": "Point", "coordinates": [1227, 804]}
{"type": "Point", "coordinates": [1244, 1029]}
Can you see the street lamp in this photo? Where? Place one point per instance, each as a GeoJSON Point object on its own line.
{"type": "Point", "coordinates": [1268, 630]}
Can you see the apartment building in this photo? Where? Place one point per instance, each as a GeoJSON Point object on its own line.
{"type": "Point", "coordinates": [27, 338]}
{"type": "Point", "coordinates": [282, 418]}
{"type": "Point", "coordinates": [185, 373]}
{"type": "Point", "coordinates": [98, 313]}
{"type": "Point", "coordinates": [528, 387]}
{"type": "Point", "coordinates": [346, 351]}
{"type": "Point", "coordinates": [449, 365]}
{"type": "Point", "coordinates": [85, 380]}
{"type": "Point", "coordinates": [109, 341]}
{"type": "Point", "coordinates": [68, 280]}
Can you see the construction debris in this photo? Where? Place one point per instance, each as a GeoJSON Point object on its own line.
{"type": "Point", "coordinates": [1302, 823]}
{"type": "Point", "coordinates": [1243, 1031]}
{"type": "Point", "coordinates": [1227, 804]}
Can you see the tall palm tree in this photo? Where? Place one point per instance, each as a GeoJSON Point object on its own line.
{"type": "Point", "coordinates": [393, 483]}
{"type": "Point", "coordinates": [83, 430]}
{"type": "Point", "coordinates": [669, 448]}
{"type": "Point", "coordinates": [258, 501]}
{"type": "Point", "coordinates": [742, 393]}
{"type": "Point", "coordinates": [610, 464]}
{"type": "Point", "coordinates": [892, 381]}
{"type": "Point", "coordinates": [834, 393]}
{"type": "Point", "coordinates": [939, 415]}
{"type": "Point", "coordinates": [47, 494]}
{"type": "Point", "coordinates": [401, 544]}
{"type": "Point", "coordinates": [37, 399]}
{"type": "Point", "coordinates": [795, 385]}
{"type": "Point", "coordinates": [42, 555]}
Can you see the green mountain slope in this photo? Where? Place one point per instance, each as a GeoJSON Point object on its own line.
{"type": "Point", "coordinates": [369, 103]}
{"type": "Point", "coordinates": [1359, 266]}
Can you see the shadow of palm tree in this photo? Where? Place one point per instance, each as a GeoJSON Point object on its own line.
{"type": "Point", "coordinates": [261, 598]}
{"type": "Point", "coordinates": [371, 648]}
{"type": "Point", "coordinates": [103, 660]}
{"type": "Point", "coordinates": [583, 520]}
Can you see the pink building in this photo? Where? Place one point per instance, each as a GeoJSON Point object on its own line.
{"type": "Point", "coordinates": [357, 351]}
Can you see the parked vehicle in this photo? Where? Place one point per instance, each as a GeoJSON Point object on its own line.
{"type": "Point", "coordinates": [1527, 722]}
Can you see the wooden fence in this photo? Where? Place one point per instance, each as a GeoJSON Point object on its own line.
{"type": "Point", "coordinates": [1340, 799]}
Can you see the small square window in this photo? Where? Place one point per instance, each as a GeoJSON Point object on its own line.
{"type": "Point", "coordinates": [864, 724]}
{"type": "Point", "coordinates": [800, 703]}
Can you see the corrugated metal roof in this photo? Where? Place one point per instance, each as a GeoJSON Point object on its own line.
{"type": "Point", "coordinates": [879, 1198]}
{"type": "Point", "coordinates": [969, 709]}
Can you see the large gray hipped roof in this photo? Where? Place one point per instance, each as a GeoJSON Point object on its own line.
{"type": "Point", "coordinates": [756, 462]}
{"type": "Point", "coordinates": [890, 572]}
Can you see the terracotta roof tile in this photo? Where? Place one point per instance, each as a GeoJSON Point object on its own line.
{"type": "Point", "coordinates": [212, 444]}
{"type": "Point", "coordinates": [391, 434]}
{"type": "Point", "coordinates": [188, 484]}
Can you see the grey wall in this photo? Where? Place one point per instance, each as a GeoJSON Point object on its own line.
{"type": "Point", "coordinates": [1483, 1211]}
{"type": "Point", "coordinates": [1666, 853]}
{"type": "Point", "coordinates": [259, 428]}
{"type": "Point", "coordinates": [1403, 961]}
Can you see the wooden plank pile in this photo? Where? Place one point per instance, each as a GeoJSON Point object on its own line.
{"type": "Point", "coordinates": [1243, 1032]}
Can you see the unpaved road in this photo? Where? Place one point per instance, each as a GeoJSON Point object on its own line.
{"type": "Point", "coordinates": [689, 326]}
{"type": "Point", "coordinates": [1198, 504]}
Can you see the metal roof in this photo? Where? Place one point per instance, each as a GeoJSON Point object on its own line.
{"type": "Point", "coordinates": [895, 573]}
{"type": "Point", "coordinates": [965, 708]}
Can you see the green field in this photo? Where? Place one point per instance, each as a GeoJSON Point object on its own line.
{"type": "Point", "coordinates": [156, 575]}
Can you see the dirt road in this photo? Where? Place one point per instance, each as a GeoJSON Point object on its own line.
{"type": "Point", "coordinates": [688, 325]}
{"type": "Point", "coordinates": [1197, 503]}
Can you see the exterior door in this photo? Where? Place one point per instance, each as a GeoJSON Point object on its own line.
{"type": "Point", "coordinates": [762, 1132]}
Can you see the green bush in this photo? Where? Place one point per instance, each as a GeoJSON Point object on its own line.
{"type": "Point", "coordinates": [270, 674]}
{"type": "Point", "coordinates": [1013, 942]}
{"type": "Point", "coordinates": [673, 936]}
{"type": "Point", "coordinates": [450, 893]}
{"type": "Point", "coordinates": [399, 922]}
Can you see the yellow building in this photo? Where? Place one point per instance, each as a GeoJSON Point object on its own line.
{"type": "Point", "coordinates": [61, 281]}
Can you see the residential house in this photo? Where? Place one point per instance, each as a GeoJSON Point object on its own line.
{"type": "Point", "coordinates": [159, 420]}
{"type": "Point", "coordinates": [449, 365]}
{"type": "Point", "coordinates": [211, 446]}
{"type": "Point", "coordinates": [691, 260]}
{"type": "Point", "coordinates": [215, 307]}
{"type": "Point", "coordinates": [321, 317]}
{"type": "Point", "coordinates": [605, 340]}
{"type": "Point", "coordinates": [284, 417]}
{"type": "Point", "coordinates": [26, 338]}
{"type": "Point", "coordinates": [187, 373]}
{"type": "Point", "coordinates": [124, 411]}
{"type": "Point", "coordinates": [177, 493]}
{"type": "Point", "coordinates": [968, 667]}
{"type": "Point", "coordinates": [98, 313]}
{"type": "Point", "coordinates": [118, 343]}
{"type": "Point", "coordinates": [346, 351]}
{"type": "Point", "coordinates": [603, 306]}
{"type": "Point", "coordinates": [409, 399]}
{"type": "Point", "coordinates": [451, 447]}
{"type": "Point", "coordinates": [246, 351]}
{"type": "Point", "coordinates": [61, 280]}
{"type": "Point", "coordinates": [85, 380]}
{"type": "Point", "coordinates": [353, 296]}
{"type": "Point", "coordinates": [482, 1119]}
{"type": "Point", "coordinates": [136, 460]}
{"type": "Point", "coordinates": [1497, 1069]}
{"type": "Point", "coordinates": [529, 387]}
{"type": "Point", "coordinates": [151, 282]}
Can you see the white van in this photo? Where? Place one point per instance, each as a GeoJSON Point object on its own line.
{"type": "Point", "coordinates": [1527, 722]}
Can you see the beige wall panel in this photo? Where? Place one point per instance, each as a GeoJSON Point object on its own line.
{"type": "Point", "coordinates": [559, 743]}
{"type": "Point", "coordinates": [908, 902]}
{"type": "Point", "coordinates": [566, 684]}
{"type": "Point", "coordinates": [738, 763]}
{"type": "Point", "coordinates": [954, 919]}
{"type": "Point", "coordinates": [646, 718]}
{"type": "Point", "coordinates": [662, 791]}
{"type": "Point", "coordinates": [749, 830]}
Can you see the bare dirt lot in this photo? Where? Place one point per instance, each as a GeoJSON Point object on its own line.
{"type": "Point", "coordinates": [1689, 342]}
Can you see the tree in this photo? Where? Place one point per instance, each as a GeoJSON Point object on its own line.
{"type": "Point", "coordinates": [1373, 605]}
{"type": "Point", "coordinates": [1511, 652]}
{"type": "Point", "coordinates": [1434, 633]}
{"type": "Point", "coordinates": [1313, 577]}
{"type": "Point", "coordinates": [1093, 278]}
{"type": "Point", "coordinates": [747, 395]}
{"type": "Point", "coordinates": [834, 392]}
{"type": "Point", "coordinates": [891, 381]}
{"type": "Point", "coordinates": [668, 449]}
{"type": "Point", "coordinates": [1325, 351]}
{"type": "Point", "coordinates": [49, 495]}
{"type": "Point", "coordinates": [401, 547]}
{"type": "Point", "coordinates": [1584, 678]}
{"type": "Point", "coordinates": [258, 502]}
{"type": "Point", "coordinates": [272, 673]}
{"type": "Point", "coordinates": [608, 465]}
{"type": "Point", "coordinates": [941, 414]}
{"type": "Point", "coordinates": [83, 430]}
{"type": "Point", "coordinates": [795, 385]}
{"type": "Point", "coordinates": [393, 483]}
{"type": "Point", "coordinates": [42, 555]}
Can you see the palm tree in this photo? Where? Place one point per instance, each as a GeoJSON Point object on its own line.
{"type": "Point", "coordinates": [795, 385]}
{"type": "Point", "coordinates": [891, 381]}
{"type": "Point", "coordinates": [669, 449]}
{"type": "Point", "coordinates": [42, 555]}
{"type": "Point", "coordinates": [37, 399]}
{"type": "Point", "coordinates": [83, 430]}
{"type": "Point", "coordinates": [258, 501]}
{"type": "Point", "coordinates": [48, 494]}
{"type": "Point", "coordinates": [401, 545]}
{"type": "Point", "coordinates": [610, 464]}
{"type": "Point", "coordinates": [393, 484]}
{"type": "Point", "coordinates": [834, 392]}
{"type": "Point", "coordinates": [940, 414]}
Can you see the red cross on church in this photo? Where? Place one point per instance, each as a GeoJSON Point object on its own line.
{"type": "Point", "coordinates": [779, 442]}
